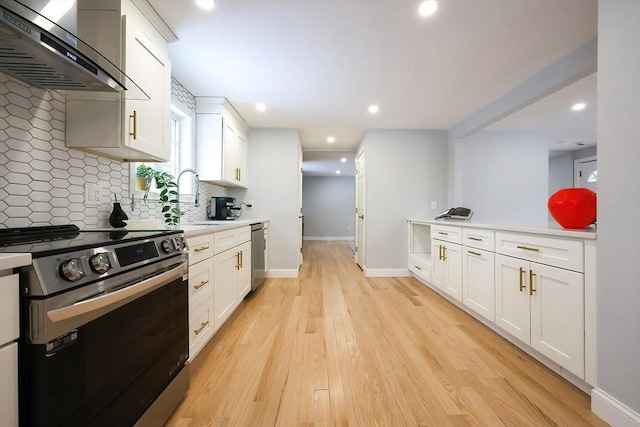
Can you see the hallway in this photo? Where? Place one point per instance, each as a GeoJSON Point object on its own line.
{"type": "Point", "coordinates": [335, 348]}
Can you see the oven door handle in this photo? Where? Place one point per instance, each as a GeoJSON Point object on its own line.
{"type": "Point", "coordinates": [129, 293]}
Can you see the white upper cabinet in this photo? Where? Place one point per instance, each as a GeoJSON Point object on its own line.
{"type": "Point", "coordinates": [111, 124]}
{"type": "Point", "coordinates": [221, 143]}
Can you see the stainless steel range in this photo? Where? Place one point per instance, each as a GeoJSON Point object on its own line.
{"type": "Point", "coordinates": [104, 325]}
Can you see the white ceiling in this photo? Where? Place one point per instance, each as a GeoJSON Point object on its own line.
{"type": "Point", "coordinates": [326, 163]}
{"type": "Point", "coordinates": [318, 64]}
{"type": "Point", "coordinates": [565, 128]}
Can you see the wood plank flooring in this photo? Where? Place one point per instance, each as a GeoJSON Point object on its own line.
{"type": "Point", "coordinates": [334, 348]}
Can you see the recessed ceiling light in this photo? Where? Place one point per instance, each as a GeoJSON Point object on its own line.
{"type": "Point", "coordinates": [337, 172]}
{"type": "Point", "coordinates": [331, 139]}
{"type": "Point", "coordinates": [205, 4]}
{"type": "Point", "coordinates": [428, 7]}
{"type": "Point", "coordinates": [343, 160]}
{"type": "Point", "coordinates": [261, 107]}
{"type": "Point", "coordinates": [374, 109]}
{"type": "Point", "coordinates": [579, 106]}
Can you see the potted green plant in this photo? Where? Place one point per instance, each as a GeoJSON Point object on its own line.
{"type": "Point", "coordinates": [144, 176]}
{"type": "Point", "coordinates": [168, 197]}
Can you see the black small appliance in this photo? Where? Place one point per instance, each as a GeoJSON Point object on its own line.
{"type": "Point", "coordinates": [222, 208]}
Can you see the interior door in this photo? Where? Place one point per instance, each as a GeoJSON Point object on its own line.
{"type": "Point", "coordinates": [360, 181]}
{"type": "Point", "coordinates": [586, 173]}
{"type": "Point", "coordinates": [300, 215]}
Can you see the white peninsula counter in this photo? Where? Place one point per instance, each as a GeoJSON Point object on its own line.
{"type": "Point", "coordinates": [536, 286]}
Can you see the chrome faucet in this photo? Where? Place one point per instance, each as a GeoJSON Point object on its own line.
{"type": "Point", "coordinates": [197, 195]}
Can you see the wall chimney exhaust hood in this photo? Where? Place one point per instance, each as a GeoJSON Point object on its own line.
{"type": "Point", "coordinates": [39, 51]}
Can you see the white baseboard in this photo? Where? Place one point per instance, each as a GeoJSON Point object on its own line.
{"type": "Point", "coordinates": [339, 238]}
{"type": "Point", "coordinates": [386, 272]}
{"type": "Point", "coordinates": [613, 411]}
{"type": "Point", "coordinates": [282, 274]}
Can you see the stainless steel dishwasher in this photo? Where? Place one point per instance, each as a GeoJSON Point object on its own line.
{"type": "Point", "coordinates": [257, 255]}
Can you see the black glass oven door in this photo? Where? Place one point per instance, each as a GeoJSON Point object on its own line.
{"type": "Point", "coordinates": [107, 372]}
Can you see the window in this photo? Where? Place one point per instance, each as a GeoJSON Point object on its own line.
{"type": "Point", "coordinates": [182, 157]}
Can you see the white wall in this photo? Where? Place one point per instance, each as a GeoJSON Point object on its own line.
{"type": "Point", "coordinates": [619, 190]}
{"type": "Point", "coordinates": [560, 172]}
{"type": "Point", "coordinates": [405, 170]}
{"type": "Point", "coordinates": [328, 203]}
{"type": "Point", "coordinates": [504, 177]}
{"type": "Point", "coordinates": [273, 187]}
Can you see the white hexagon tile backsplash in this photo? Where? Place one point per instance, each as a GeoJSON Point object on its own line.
{"type": "Point", "coordinates": [42, 181]}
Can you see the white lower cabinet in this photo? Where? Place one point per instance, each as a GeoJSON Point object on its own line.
{"type": "Point", "coordinates": [531, 285]}
{"type": "Point", "coordinates": [232, 272]}
{"type": "Point", "coordinates": [543, 307]}
{"type": "Point", "coordinates": [9, 333]}
{"type": "Point", "coordinates": [200, 292]}
{"type": "Point", "coordinates": [478, 292]}
{"type": "Point", "coordinates": [446, 267]}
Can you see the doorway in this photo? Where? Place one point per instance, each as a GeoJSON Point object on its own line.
{"type": "Point", "coordinates": [586, 173]}
{"type": "Point", "coordinates": [360, 204]}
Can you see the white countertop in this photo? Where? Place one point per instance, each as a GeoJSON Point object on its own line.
{"type": "Point", "coordinates": [10, 261]}
{"type": "Point", "coordinates": [198, 228]}
{"type": "Point", "coordinates": [552, 229]}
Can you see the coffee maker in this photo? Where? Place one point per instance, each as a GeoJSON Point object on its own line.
{"type": "Point", "coordinates": [222, 208]}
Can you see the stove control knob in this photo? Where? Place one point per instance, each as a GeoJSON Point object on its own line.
{"type": "Point", "coordinates": [72, 270]}
{"type": "Point", "coordinates": [100, 263]}
{"type": "Point", "coordinates": [168, 246]}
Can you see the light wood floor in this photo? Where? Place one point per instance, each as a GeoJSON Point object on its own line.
{"type": "Point", "coordinates": [335, 348]}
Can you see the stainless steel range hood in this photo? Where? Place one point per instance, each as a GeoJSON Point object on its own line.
{"type": "Point", "coordinates": [37, 50]}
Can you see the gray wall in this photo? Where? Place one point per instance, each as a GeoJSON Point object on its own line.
{"type": "Point", "coordinates": [619, 190]}
{"type": "Point", "coordinates": [273, 187]}
{"type": "Point", "coordinates": [561, 168]}
{"type": "Point", "coordinates": [504, 177]}
{"type": "Point", "coordinates": [405, 170]}
{"type": "Point", "coordinates": [328, 203]}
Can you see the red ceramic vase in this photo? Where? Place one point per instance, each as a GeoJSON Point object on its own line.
{"type": "Point", "coordinates": [573, 207]}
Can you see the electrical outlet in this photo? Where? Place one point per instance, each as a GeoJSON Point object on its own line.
{"type": "Point", "coordinates": [92, 194]}
{"type": "Point", "coordinates": [434, 205]}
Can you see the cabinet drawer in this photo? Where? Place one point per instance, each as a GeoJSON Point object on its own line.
{"type": "Point", "coordinates": [447, 233]}
{"type": "Point", "coordinates": [420, 266]}
{"type": "Point", "coordinates": [9, 309]}
{"type": "Point", "coordinates": [479, 238]}
{"type": "Point", "coordinates": [224, 240]}
{"type": "Point", "coordinates": [200, 248]}
{"type": "Point", "coordinates": [9, 385]}
{"type": "Point", "coordinates": [200, 283]}
{"type": "Point", "coordinates": [200, 327]}
{"type": "Point", "coordinates": [563, 253]}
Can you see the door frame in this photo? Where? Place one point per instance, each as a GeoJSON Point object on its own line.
{"type": "Point", "coordinates": [360, 248]}
{"type": "Point", "coordinates": [576, 168]}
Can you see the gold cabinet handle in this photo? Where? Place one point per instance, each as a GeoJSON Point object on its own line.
{"type": "Point", "coordinates": [522, 286]}
{"type": "Point", "coordinates": [440, 252]}
{"type": "Point", "coordinates": [134, 116]}
{"type": "Point", "coordinates": [201, 284]}
{"type": "Point", "coordinates": [239, 174]}
{"type": "Point", "coordinates": [418, 267]}
{"type": "Point", "coordinates": [527, 248]}
{"type": "Point", "coordinates": [241, 259]}
{"type": "Point", "coordinates": [443, 233]}
{"type": "Point", "coordinates": [202, 326]}
{"type": "Point", "coordinates": [475, 253]}
{"type": "Point", "coordinates": [237, 260]}
{"type": "Point", "coordinates": [444, 253]}
{"type": "Point", "coordinates": [201, 248]}
{"type": "Point", "coordinates": [477, 239]}
{"type": "Point", "coordinates": [531, 288]}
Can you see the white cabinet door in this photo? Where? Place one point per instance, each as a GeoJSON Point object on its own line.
{"type": "Point", "coordinates": [478, 291]}
{"type": "Point", "coordinates": [513, 309]}
{"type": "Point", "coordinates": [148, 121]}
{"type": "Point", "coordinates": [452, 255]}
{"type": "Point", "coordinates": [230, 146]}
{"type": "Point", "coordinates": [243, 279]}
{"type": "Point", "coordinates": [557, 315]}
{"type": "Point", "coordinates": [224, 288]}
{"type": "Point", "coordinates": [438, 266]}
{"type": "Point", "coordinates": [9, 385]}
